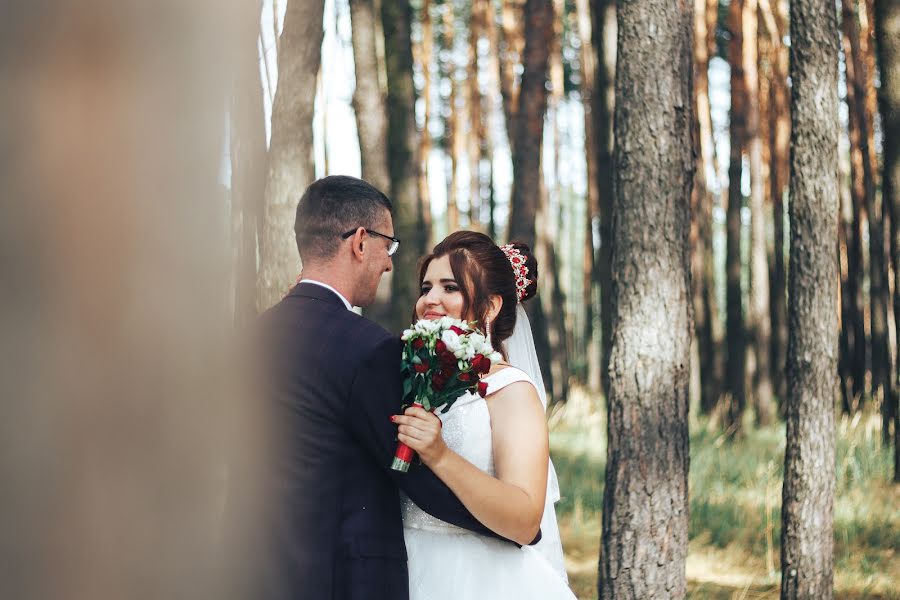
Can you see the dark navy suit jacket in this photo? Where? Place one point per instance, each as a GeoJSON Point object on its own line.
{"type": "Point", "coordinates": [334, 383]}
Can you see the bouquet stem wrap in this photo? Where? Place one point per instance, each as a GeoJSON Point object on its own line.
{"type": "Point", "coordinates": [403, 455]}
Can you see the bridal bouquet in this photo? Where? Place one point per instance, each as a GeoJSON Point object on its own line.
{"type": "Point", "coordinates": [442, 360]}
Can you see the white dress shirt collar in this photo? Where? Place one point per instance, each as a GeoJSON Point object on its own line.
{"type": "Point", "coordinates": [328, 287]}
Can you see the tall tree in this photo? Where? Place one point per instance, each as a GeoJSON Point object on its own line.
{"type": "Point", "coordinates": [290, 149]}
{"type": "Point", "coordinates": [779, 141]}
{"type": "Point", "coordinates": [475, 122]}
{"type": "Point", "coordinates": [423, 55]}
{"type": "Point", "coordinates": [452, 129]}
{"type": "Point", "coordinates": [368, 97]}
{"type": "Point", "coordinates": [527, 141]}
{"type": "Point", "coordinates": [603, 36]}
{"type": "Point", "coordinates": [807, 539]}
{"type": "Point", "coordinates": [734, 323]}
{"type": "Point", "coordinates": [858, 77]}
{"type": "Point", "coordinates": [248, 165]}
{"type": "Point", "coordinates": [758, 317]}
{"type": "Point", "coordinates": [859, 343]}
{"type": "Point", "coordinates": [887, 33]}
{"type": "Point", "coordinates": [402, 160]}
{"type": "Point", "coordinates": [645, 500]}
{"type": "Point", "coordinates": [702, 268]}
{"type": "Point", "coordinates": [591, 339]}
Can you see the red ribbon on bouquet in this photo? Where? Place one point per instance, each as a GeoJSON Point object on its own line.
{"type": "Point", "coordinates": [404, 454]}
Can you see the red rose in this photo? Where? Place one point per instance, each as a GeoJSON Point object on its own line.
{"type": "Point", "coordinates": [465, 377]}
{"type": "Point", "coordinates": [418, 343]}
{"type": "Point", "coordinates": [439, 380]}
{"type": "Point", "coordinates": [420, 368]}
{"type": "Point", "coordinates": [457, 330]}
{"type": "Point", "coordinates": [448, 359]}
{"type": "Point", "coordinates": [440, 347]}
{"type": "Point", "coordinates": [481, 364]}
{"type": "Point", "coordinates": [482, 388]}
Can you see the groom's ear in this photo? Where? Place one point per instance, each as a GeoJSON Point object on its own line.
{"type": "Point", "coordinates": [357, 243]}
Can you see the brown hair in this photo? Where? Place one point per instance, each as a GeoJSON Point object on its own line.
{"type": "Point", "coordinates": [482, 270]}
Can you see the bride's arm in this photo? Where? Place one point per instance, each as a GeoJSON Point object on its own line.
{"type": "Point", "coordinates": [512, 503]}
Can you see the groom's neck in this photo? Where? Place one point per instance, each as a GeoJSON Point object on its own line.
{"type": "Point", "coordinates": [331, 276]}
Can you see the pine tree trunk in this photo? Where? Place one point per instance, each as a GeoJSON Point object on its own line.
{"type": "Point", "coordinates": [701, 224]}
{"type": "Point", "coordinates": [877, 263]}
{"type": "Point", "coordinates": [248, 167]}
{"type": "Point", "coordinates": [645, 502]}
{"type": "Point", "coordinates": [368, 98]}
{"type": "Point", "coordinates": [475, 127]}
{"type": "Point", "coordinates": [291, 166]}
{"type": "Point", "coordinates": [527, 141]}
{"type": "Point", "coordinates": [759, 319]}
{"type": "Point", "coordinates": [512, 27]}
{"type": "Point", "coordinates": [604, 33]}
{"type": "Point", "coordinates": [590, 335]}
{"type": "Point", "coordinates": [493, 109]}
{"type": "Point", "coordinates": [887, 33]}
{"type": "Point", "coordinates": [734, 379]}
{"type": "Point", "coordinates": [402, 160]}
{"type": "Point", "coordinates": [807, 542]}
{"type": "Point", "coordinates": [780, 135]}
{"type": "Point", "coordinates": [425, 57]}
{"type": "Point", "coordinates": [451, 123]}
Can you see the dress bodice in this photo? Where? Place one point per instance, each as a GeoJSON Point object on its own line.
{"type": "Point", "coordinates": [466, 429]}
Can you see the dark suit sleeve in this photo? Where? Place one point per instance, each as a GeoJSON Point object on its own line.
{"type": "Point", "coordinates": [376, 395]}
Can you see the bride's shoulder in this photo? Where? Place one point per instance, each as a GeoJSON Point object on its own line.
{"type": "Point", "coordinates": [503, 375]}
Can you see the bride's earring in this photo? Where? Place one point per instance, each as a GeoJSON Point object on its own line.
{"type": "Point", "coordinates": [487, 330]}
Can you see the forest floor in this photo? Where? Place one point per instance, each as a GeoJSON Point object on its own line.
{"type": "Point", "coordinates": [735, 507]}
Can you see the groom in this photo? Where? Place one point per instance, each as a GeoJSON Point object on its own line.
{"type": "Point", "coordinates": [335, 381]}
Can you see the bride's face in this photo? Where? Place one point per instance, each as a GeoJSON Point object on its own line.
{"type": "Point", "coordinates": [440, 293]}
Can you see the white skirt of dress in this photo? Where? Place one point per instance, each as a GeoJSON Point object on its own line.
{"type": "Point", "coordinates": [465, 566]}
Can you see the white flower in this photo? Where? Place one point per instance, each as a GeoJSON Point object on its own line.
{"type": "Point", "coordinates": [407, 333]}
{"type": "Point", "coordinates": [495, 357]}
{"type": "Point", "coordinates": [452, 339]}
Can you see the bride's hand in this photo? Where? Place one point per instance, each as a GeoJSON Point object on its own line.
{"type": "Point", "coordinates": [421, 431]}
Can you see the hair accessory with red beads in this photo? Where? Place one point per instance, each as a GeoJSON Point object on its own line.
{"type": "Point", "coordinates": [517, 260]}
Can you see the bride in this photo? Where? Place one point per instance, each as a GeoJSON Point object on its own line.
{"type": "Point", "coordinates": [492, 452]}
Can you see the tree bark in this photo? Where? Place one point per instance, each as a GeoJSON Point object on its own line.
{"type": "Point", "coordinates": [527, 141]}
{"type": "Point", "coordinates": [474, 103]}
{"type": "Point", "coordinates": [807, 542]}
{"type": "Point", "coordinates": [451, 124]}
{"type": "Point", "coordinates": [291, 166]}
{"type": "Point", "coordinates": [758, 305]}
{"type": "Point", "coordinates": [887, 33]}
{"type": "Point", "coordinates": [248, 167]}
{"type": "Point", "coordinates": [702, 270]}
{"type": "Point", "coordinates": [858, 77]}
{"type": "Point", "coordinates": [402, 160]}
{"type": "Point", "coordinates": [780, 135]}
{"type": "Point", "coordinates": [425, 58]}
{"type": "Point", "coordinates": [645, 501]}
{"type": "Point", "coordinates": [590, 334]}
{"type": "Point", "coordinates": [604, 34]}
{"type": "Point", "coordinates": [735, 377]}
{"type": "Point", "coordinates": [368, 98]}
{"type": "Point", "coordinates": [513, 54]}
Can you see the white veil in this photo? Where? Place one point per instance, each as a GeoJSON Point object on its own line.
{"type": "Point", "coordinates": [522, 355]}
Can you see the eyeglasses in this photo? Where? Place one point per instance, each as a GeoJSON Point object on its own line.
{"type": "Point", "coordinates": [392, 249]}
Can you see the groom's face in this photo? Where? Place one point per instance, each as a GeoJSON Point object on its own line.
{"type": "Point", "coordinates": [378, 262]}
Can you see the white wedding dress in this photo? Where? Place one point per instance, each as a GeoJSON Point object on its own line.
{"type": "Point", "coordinates": [447, 562]}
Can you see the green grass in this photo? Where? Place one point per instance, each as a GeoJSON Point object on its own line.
{"type": "Point", "coordinates": [735, 508]}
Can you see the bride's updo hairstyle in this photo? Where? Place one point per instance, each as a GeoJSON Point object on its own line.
{"type": "Point", "coordinates": [483, 270]}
